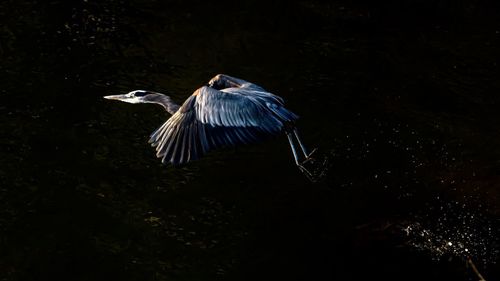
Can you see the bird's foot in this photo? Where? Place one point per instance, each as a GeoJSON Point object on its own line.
{"type": "Point", "coordinates": [309, 157]}
{"type": "Point", "coordinates": [313, 167]}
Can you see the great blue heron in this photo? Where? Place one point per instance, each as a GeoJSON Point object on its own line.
{"type": "Point", "coordinates": [226, 112]}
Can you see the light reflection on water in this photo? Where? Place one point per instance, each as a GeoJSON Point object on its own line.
{"type": "Point", "coordinates": [453, 231]}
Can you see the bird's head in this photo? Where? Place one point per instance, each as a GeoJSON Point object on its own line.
{"type": "Point", "coordinates": [137, 96]}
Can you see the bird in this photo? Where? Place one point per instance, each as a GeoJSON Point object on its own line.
{"type": "Point", "coordinates": [225, 112]}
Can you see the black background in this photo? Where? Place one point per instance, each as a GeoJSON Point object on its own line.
{"type": "Point", "coordinates": [402, 97]}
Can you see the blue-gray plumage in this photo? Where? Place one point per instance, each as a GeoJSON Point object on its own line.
{"type": "Point", "coordinates": [226, 112]}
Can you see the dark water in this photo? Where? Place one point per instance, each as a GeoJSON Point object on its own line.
{"type": "Point", "coordinates": [402, 97]}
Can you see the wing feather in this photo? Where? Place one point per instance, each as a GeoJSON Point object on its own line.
{"type": "Point", "coordinates": [211, 119]}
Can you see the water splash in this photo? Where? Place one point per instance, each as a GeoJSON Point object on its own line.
{"type": "Point", "coordinates": [455, 232]}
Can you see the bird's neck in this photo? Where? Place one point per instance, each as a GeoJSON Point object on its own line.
{"type": "Point", "coordinates": [163, 100]}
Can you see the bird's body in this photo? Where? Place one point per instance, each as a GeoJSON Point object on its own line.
{"type": "Point", "coordinates": [226, 112]}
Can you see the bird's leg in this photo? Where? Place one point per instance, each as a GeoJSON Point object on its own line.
{"type": "Point", "coordinates": [300, 143]}
{"type": "Point", "coordinates": [299, 165]}
{"type": "Point", "coordinates": [292, 146]}
{"type": "Point", "coordinates": [303, 148]}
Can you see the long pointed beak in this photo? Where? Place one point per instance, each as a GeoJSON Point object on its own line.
{"type": "Point", "coordinates": [116, 97]}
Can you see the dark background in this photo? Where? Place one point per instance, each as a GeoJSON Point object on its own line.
{"type": "Point", "coordinates": [402, 97]}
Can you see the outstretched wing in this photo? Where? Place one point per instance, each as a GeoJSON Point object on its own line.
{"type": "Point", "coordinates": [223, 81]}
{"type": "Point", "coordinates": [212, 118]}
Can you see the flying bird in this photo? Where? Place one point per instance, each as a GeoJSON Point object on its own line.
{"type": "Point", "coordinates": [226, 112]}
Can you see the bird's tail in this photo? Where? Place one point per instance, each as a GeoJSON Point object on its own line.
{"type": "Point", "coordinates": [287, 117]}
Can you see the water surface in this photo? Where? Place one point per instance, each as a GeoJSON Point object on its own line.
{"type": "Point", "coordinates": [404, 107]}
